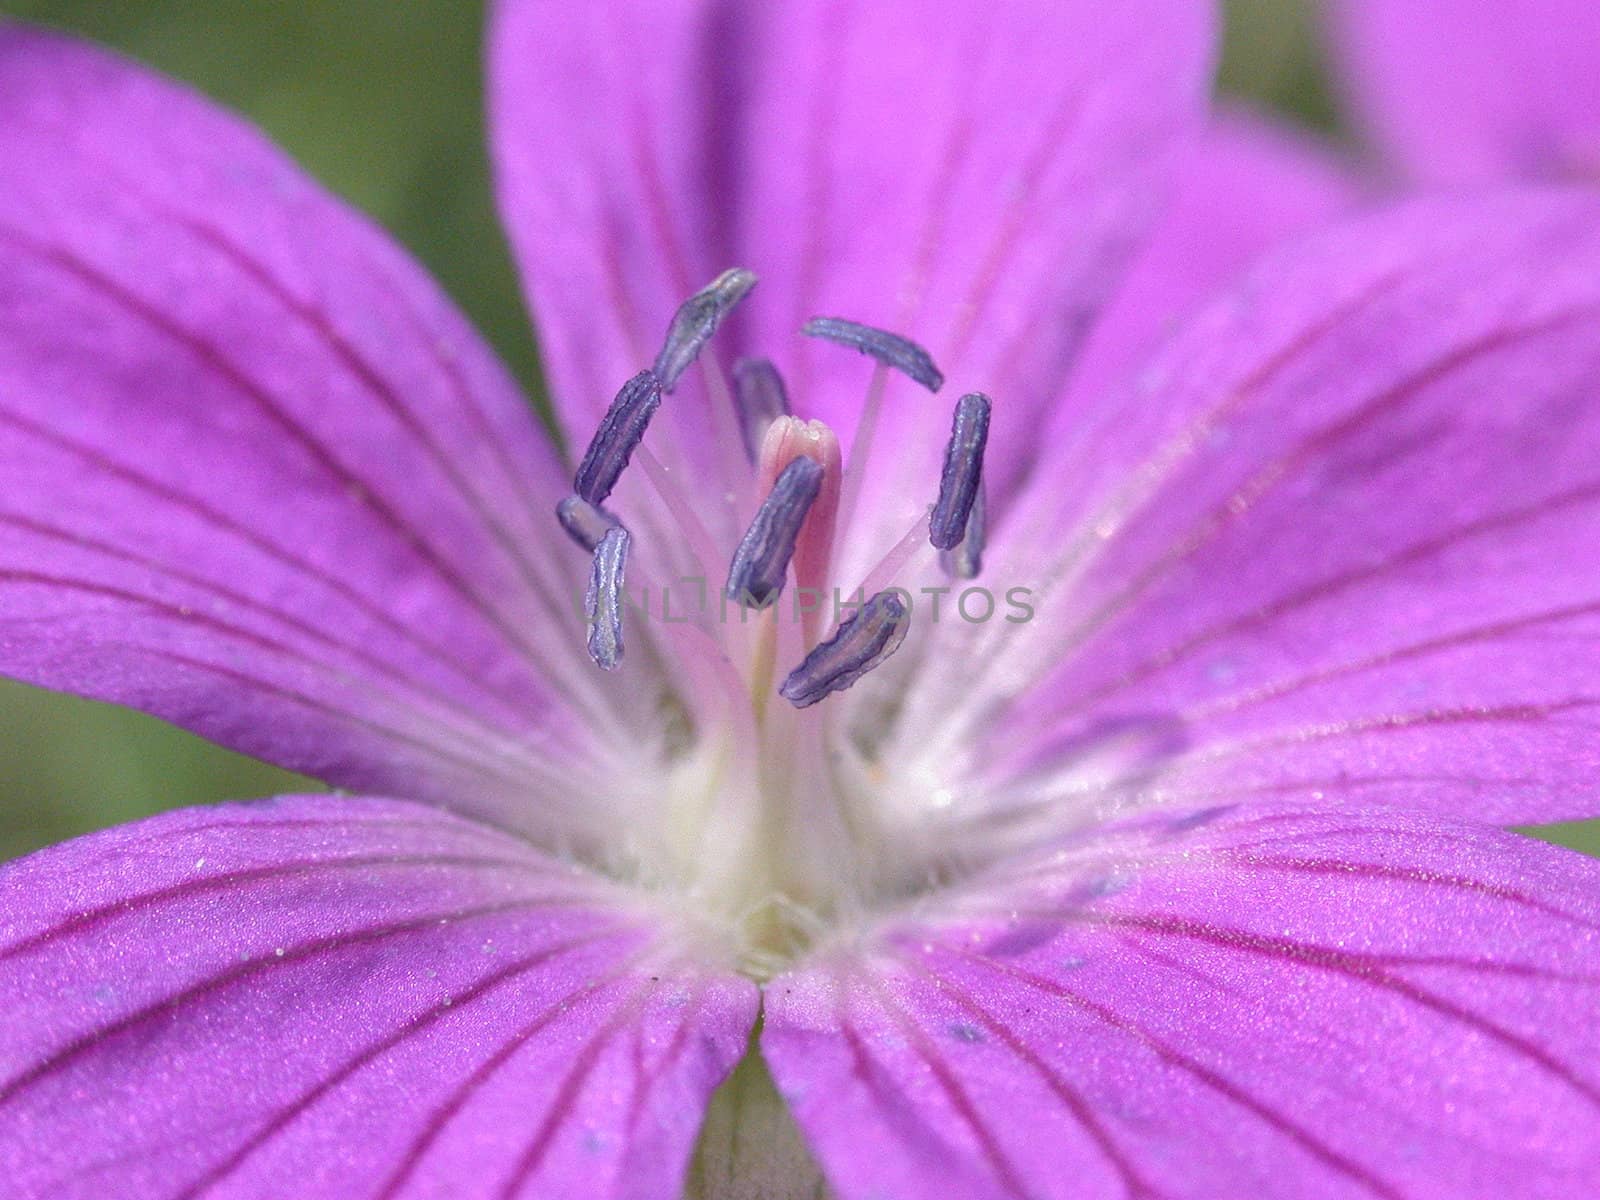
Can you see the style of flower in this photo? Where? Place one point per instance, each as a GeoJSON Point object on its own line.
{"type": "Point", "coordinates": [1188, 886]}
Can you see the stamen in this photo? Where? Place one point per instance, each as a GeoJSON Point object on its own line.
{"type": "Point", "coordinates": [585, 523]}
{"type": "Point", "coordinates": [603, 601]}
{"type": "Point", "coordinates": [963, 471]}
{"type": "Point", "coordinates": [696, 320]}
{"type": "Point", "coordinates": [965, 559]}
{"type": "Point", "coordinates": [890, 349]}
{"type": "Point", "coordinates": [762, 560]}
{"type": "Point", "coordinates": [871, 635]}
{"type": "Point", "coordinates": [619, 433]}
{"type": "Point", "coordinates": [761, 399]}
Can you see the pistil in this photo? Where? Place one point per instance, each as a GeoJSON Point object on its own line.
{"type": "Point", "coordinates": [787, 439]}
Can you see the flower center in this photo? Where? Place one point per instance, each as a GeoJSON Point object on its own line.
{"type": "Point", "coordinates": [771, 816]}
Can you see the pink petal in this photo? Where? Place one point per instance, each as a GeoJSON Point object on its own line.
{"type": "Point", "coordinates": [346, 998]}
{"type": "Point", "coordinates": [1466, 90]}
{"type": "Point", "coordinates": [260, 477]}
{"type": "Point", "coordinates": [1334, 540]}
{"type": "Point", "coordinates": [1270, 1002]}
{"type": "Point", "coordinates": [970, 174]}
{"type": "Point", "coordinates": [1249, 183]}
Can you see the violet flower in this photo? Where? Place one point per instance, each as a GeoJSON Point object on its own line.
{"type": "Point", "coordinates": [1447, 93]}
{"type": "Point", "coordinates": [1188, 886]}
{"type": "Point", "coordinates": [1472, 91]}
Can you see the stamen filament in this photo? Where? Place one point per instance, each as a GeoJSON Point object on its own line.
{"type": "Point", "coordinates": [860, 455]}
{"type": "Point", "coordinates": [701, 543]}
{"type": "Point", "coordinates": [724, 426]}
{"type": "Point", "coordinates": [763, 660]}
{"type": "Point", "coordinates": [820, 821]}
{"type": "Point", "coordinates": [899, 562]}
{"type": "Point", "coordinates": [699, 654]}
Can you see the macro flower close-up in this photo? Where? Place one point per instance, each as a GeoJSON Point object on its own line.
{"type": "Point", "coordinates": [1014, 667]}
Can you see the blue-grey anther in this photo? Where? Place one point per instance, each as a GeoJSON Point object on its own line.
{"type": "Point", "coordinates": [603, 601]}
{"type": "Point", "coordinates": [963, 471]}
{"type": "Point", "coordinates": [872, 634]}
{"type": "Point", "coordinates": [761, 398]}
{"type": "Point", "coordinates": [585, 523]}
{"type": "Point", "coordinates": [965, 560]}
{"type": "Point", "coordinates": [696, 320]}
{"type": "Point", "coordinates": [762, 560]}
{"type": "Point", "coordinates": [890, 349]}
{"type": "Point", "coordinates": [620, 432]}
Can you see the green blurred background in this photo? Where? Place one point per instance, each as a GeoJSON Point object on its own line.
{"type": "Point", "coordinates": [381, 99]}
